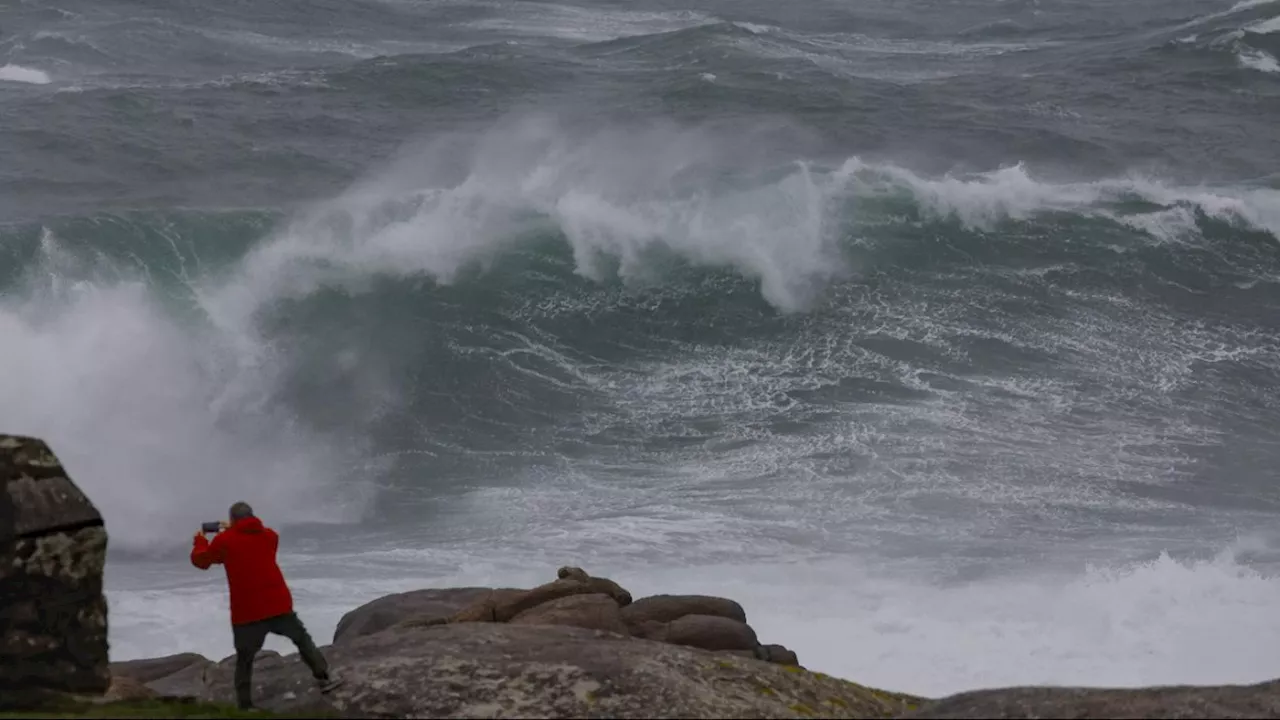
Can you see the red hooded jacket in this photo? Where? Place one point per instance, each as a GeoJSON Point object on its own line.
{"type": "Point", "coordinates": [247, 550]}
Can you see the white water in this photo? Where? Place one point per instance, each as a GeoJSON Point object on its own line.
{"type": "Point", "coordinates": [1259, 60]}
{"type": "Point", "coordinates": [984, 199]}
{"type": "Point", "coordinates": [623, 193]}
{"type": "Point", "coordinates": [26, 75]}
{"type": "Point", "coordinates": [1157, 622]}
{"type": "Point", "coordinates": [157, 414]}
{"type": "Point", "coordinates": [153, 417]}
{"type": "Point", "coordinates": [1265, 27]}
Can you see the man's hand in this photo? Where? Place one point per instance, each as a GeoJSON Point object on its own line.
{"type": "Point", "coordinates": [222, 525]}
{"type": "Point", "coordinates": [200, 534]}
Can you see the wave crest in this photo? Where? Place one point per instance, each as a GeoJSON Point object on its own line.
{"type": "Point", "coordinates": [265, 369]}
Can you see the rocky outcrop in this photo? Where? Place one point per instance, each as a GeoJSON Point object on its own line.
{"type": "Point", "coordinates": [665, 608]}
{"type": "Point", "coordinates": [181, 675]}
{"type": "Point", "coordinates": [486, 669]}
{"type": "Point", "coordinates": [577, 599]}
{"type": "Point", "coordinates": [124, 688]}
{"type": "Point", "coordinates": [152, 669]}
{"type": "Point", "coordinates": [505, 605]}
{"type": "Point", "coordinates": [511, 670]}
{"type": "Point", "coordinates": [53, 615]}
{"type": "Point", "coordinates": [777, 654]}
{"type": "Point", "coordinates": [483, 610]}
{"type": "Point", "coordinates": [701, 621]}
{"type": "Point", "coordinates": [560, 649]}
{"type": "Point", "coordinates": [709, 632]}
{"type": "Point", "coordinates": [423, 605]}
{"type": "Point", "coordinates": [593, 612]}
{"type": "Point", "coordinates": [1239, 701]}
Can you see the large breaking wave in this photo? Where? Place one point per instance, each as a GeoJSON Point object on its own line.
{"type": "Point", "coordinates": [501, 290]}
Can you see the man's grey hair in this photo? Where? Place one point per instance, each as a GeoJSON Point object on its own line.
{"type": "Point", "coordinates": [240, 511]}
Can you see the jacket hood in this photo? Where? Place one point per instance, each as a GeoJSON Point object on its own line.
{"type": "Point", "coordinates": [248, 525]}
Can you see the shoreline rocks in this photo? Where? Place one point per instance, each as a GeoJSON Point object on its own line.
{"type": "Point", "coordinates": [380, 614]}
{"type": "Point", "coordinates": [665, 608]}
{"type": "Point", "coordinates": [577, 599]}
{"type": "Point", "coordinates": [511, 670]}
{"type": "Point", "coordinates": [576, 646]}
{"type": "Point", "coordinates": [1261, 700]}
{"type": "Point", "coordinates": [595, 611]}
{"type": "Point", "coordinates": [153, 669]}
{"type": "Point", "coordinates": [181, 675]}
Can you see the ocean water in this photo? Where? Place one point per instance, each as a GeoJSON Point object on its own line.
{"type": "Point", "coordinates": [941, 334]}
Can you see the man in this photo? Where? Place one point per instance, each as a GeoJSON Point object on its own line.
{"type": "Point", "coordinates": [260, 600]}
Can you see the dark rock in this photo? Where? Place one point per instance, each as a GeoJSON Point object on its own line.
{"type": "Point", "coordinates": [711, 632]}
{"type": "Point", "coordinates": [777, 654]}
{"type": "Point", "coordinates": [610, 588]}
{"type": "Point", "coordinates": [52, 550]}
{"type": "Point", "coordinates": [127, 688]}
{"type": "Point", "coordinates": [510, 607]}
{"type": "Point", "coordinates": [572, 573]}
{"type": "Point", "coordinates": [421, 605]}
{"type": "Point", "coordinates": [1228, 701]}
{"type": "Point", "coordinates": [650, 630]}
{"type": "Point", "coordinates": [665, 608]}
{"type": "Point", "coordinates": [228, 663]}
{"type": "Point", "coordinates": [501, 670]}
{"type": "Point", "coordinates": [482, 610]}
{"type": "Point", "coordinates": [281, 683]}
{"type": "Point", "coordinates": [187, 682]}
{"type": "Point", "coordinates": [151, 669]}
{"type": "Point", "coordinates": [594, 612]}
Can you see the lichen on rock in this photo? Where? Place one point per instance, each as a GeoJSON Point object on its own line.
{"type": "Point", "coordinates": [498, 669]}
{"type": "Point", "coordinates": [52, 553]}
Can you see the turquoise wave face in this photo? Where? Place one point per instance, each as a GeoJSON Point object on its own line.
{"type": "Point", "coordinates": [403, 340]}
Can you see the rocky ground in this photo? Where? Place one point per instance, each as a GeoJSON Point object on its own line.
{"type": "Point", "coordinates": [577, 646]}
{"type": "Point", "coordinates": [143, 708]}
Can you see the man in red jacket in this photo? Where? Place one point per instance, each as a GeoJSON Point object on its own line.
{"type": "Point", "coordinates": [260, 600]}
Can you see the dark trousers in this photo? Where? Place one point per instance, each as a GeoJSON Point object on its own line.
{"type": "Point", "coordinates": [249, 638]}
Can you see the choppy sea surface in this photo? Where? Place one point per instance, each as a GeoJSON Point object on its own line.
{"type": "Point", "coordinates": [941, 335]}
